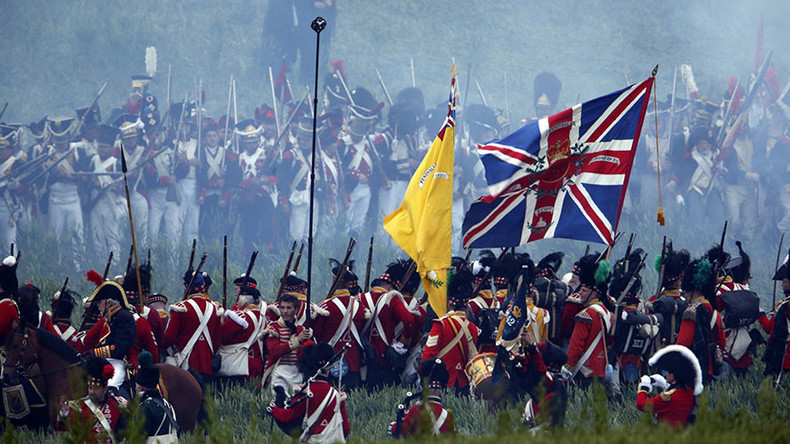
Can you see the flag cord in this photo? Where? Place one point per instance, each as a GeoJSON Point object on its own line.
{"type": "Point", "coordinates": [660, 215]}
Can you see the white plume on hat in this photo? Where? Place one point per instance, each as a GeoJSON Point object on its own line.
{"type": "Point", "coordinates": [150, 61]}
{"type": "Point", "coordinates": [687, 354]}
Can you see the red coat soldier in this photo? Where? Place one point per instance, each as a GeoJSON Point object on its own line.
{"type": "Point", "coordinates": [677, 390]}
{"type": "Point", "coordinates": [453, 338]}
{"type": "Point", "coordinates": [241, 331]}
{"type": "Point", "coordinates": [193, 330]}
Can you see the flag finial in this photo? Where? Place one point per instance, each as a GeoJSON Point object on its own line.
{"type": "Point", "coordinates": [655, 70]}
{"type": "Point", "coordinates": [454, 70]}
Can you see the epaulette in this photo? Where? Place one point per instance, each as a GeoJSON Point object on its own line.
{"type": "Point", "coordinates": [667, 395]}
{"type": "Point", "coordinates": [178, 307]}
{"type": "Point", "coordinates": [318, 311]}
{"type": "Point", "coordinates": [574, 299]}
{"type": "Point", "coordinates": [584, 316]}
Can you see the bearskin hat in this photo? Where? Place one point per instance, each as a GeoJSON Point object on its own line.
{"type": "Point", "coordinates": [250, 291]}
{"type": "Point", "coordinates": [675, 263]}
{"type": "Point", "coordinates": [8, 279]}
{"type": "Point", "coordinates": [435, 371]}
{"type": "Point", "coordinates": [740, 266]}
{"type": "Point", "coordinates": [718, 257]}
{"type": "Point", "coordinates": [552, 354]}
{"type": "Point", "coordinates": [680, 361]}
{"type": "Point", "coordinates": [548, 85]}
{"type": "Point", "coordinates": [63, 304]}
{"type": "Point", "coordinates": [459, 287]}
{"type": "Point", "coordinates": [622, 272]}
{"type": "Point", "coordinates": [99, 371]}
{"type": "Point", "coordinates": [349, 275]}
{"type": "Point", "coordinates": [593, 273]}
{"type": "Point", "coordinates": [405, 118]}
{"type": "Point", "coordinates": [148, 372]}
{"type": "Point", "coordinates": [413, 96]}
{"type": "Point", "coordinates": [699, 277]}
{"type": "Point", "coordinates": [551, 263]}
{"type": "Point", "coordinates": [130, 279]}
{"type": "Point", "coordinates": [314, 356]}
{"type": "Point", "coordinates": [481, 119]}
{"type": "Point", "coordinates": [505, 269]}
{"type": "Point", "coordinates": [250, 281]}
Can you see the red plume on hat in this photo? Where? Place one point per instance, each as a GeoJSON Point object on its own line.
{"type": "Point", "coordinates": [337, 66]}
{"type": "Point", "coordinates": [94, 277]}
{"type": "Point", "coordinates": [107, 372]}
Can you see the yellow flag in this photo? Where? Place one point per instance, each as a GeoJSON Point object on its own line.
{"type": "Point", "coordinates": [422, 225]}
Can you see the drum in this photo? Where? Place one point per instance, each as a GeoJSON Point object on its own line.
{"type": "Point", "coordinates": [480, 370]}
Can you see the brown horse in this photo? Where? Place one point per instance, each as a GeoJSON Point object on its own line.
{"type": "Point", "coordinates": [55, 370]}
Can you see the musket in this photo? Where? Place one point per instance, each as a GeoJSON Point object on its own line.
{"type": "Point", "coordinates": [720, 136]}
{"type": "Point", "coordinates": [27, 168]}
{"type": "Point", "coordinates": [249, 267]}
{"type": "Point", "coordinates": [192, 255]}
{"type": "Point", "coordinates": [507, 101]}
{"type": "Point", "coordinates": [290, 119]}
{"type": "Point", "coordinates": [131, 226]}
{"type": "Point", "coordinates": [274, 105]}
{"type": "Point", "coordinates": [776, 267]}
{"type": "Point", "coordinates": [173, 193]}
{"type": "Point", "coordinates": [199, 100]}
{"type": "Point", "coordinates": [98, 173]}
{"type": "Point", "coordinates": [632, 280]}
{"type": "Point", "coordinates": [407, 276]}
{"type": "Point", "coordinates": [367, 267]}
{"type": "Point", "coordinates": [227, 114]}
{"type": "Point", "coordinates": [480, 92]}
{"type": "Point", "coordinates": [343, 267]}
{"type": "Point", "coordinates": [5, 106]}
{"type": "Point", "coordinates": [661, 268]}
{"type": "Point", "coordinates": [747, 102]}
{"type": "Point", "coordinates": [413, 80]}
{"type": "Point", "coordinates": [285, 273]}
{"type": "Point", "coordinates": [12, 248]}
{"type": "Point", "coordinates": [383, 86]}
{"type": "Point", "coordinates": [235, 116]}
{"type": "Point", "coordinates": [605, 253]}
{"type": "Point", "coordinates": [54, 165]}
{"type": "Point", "coordinates": [169, 91]}
{"type": "Point", "coordinates": [107, 267]}
{"type": "Point", "coordinates": [718, 266]}
{"type": "Point", "coordinates": [467, 257]}
{"type": "Point", "coordinates": [129, 260]}
{"type": "Point", "coordinates": [63, 288]}
{"type": "Point", "coordinates": [628, 249]}
{"type": "Point", "coordinates": [672, 106]}
{"type": "Point", "coordinates": [84, 116]}
{"type": "Point", "coordinates": [194, 275]}
{"type": "Point", "coordinates": [224, 271]}
{"type": "Point", "coordinates": [298, 259]}
{"type": "Point", "coordinates": [487, 276]}
{"type": "Point", "coordinates": [289, 402]}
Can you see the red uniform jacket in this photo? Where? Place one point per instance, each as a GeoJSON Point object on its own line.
{"type": "Point", "coordinates": [688, 327]}
{"type": "Point", "coordinates": [672, 407]}
{"type": "Point", "coordinates": [308, 403]}
{"type": "Point", "coordinates": [587, 326]}
{"type": "Point", "coordinates": [278, 344]}
{"type": "Point", "coordinates": [184, 321]}
{"type": "Point", "coordinates": [234, 332]}
{"type": "Point", "coordinates": [344, 332]}
{"type": "Point", "coordinates": [9, 312]}
{"type": "Point", "coordinates": [441, 417]}
{"type": "Point", "coordinates": [145, 341]}
{"type": "Point", "coordinates": [385, 317]}
{"type": "Point", "coordinates": [442, 333]}
{"type": "Point", "coordinates": [111, 409]}
{"type": "Point", "coordinates": [573, 306]}
{"type": "Point", "coordinates": [768, 326]}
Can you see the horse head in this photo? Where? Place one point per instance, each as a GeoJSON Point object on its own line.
{"type": "Point", "coordinates": [21, 350]}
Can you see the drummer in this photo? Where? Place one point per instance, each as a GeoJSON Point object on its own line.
{"type": "Point", "coordinates": [453, 338]}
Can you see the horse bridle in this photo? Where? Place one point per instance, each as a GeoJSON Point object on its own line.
{"type": "Point", "coordinates": [23, 371]}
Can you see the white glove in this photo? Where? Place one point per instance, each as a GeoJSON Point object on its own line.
{"type": "Point", "coordinates": [644, 384]}
{"type": "Point", "coordinates": [566, 373]}
{"type": "Point", "coordinates": [399, 347]}
{"type": "Point", "coordinates": [659, 382]}
{"type": "Point", "coordinates": [680, 201]}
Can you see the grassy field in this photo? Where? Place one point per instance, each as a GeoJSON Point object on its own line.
{"type": "Point", "coordinates": [731, 410]}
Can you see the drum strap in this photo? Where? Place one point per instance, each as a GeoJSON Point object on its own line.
{"type": "Point", "coordinates": [462, 331]}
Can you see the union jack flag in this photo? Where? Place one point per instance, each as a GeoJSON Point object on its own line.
{"type": "Point", "coordinates": [561, 176]}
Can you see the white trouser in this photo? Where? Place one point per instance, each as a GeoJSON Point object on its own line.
{"type": "Point", "coordinates": [286, 376]}
{"type": "Point", "coordinates": [740, 205]}
{"type": "Point", "coordinates": [358, 208]}
{"type": "Point", "coordinates": [189, 212]}
{"type": "Point", "coordinates": [119, 376]}
{"type": "Point", "coordinates": [140, 213]}
{"type": "Point", "coordinates": [300, 217]}
{"type": "Point", "coordinates": [7, 226]}
{"type": "Point", "coordinates": [162, 214]}
{"type": "Point", "coordinates": [105, 219]}
{"type": "Point", "coordinates": [65, 211]}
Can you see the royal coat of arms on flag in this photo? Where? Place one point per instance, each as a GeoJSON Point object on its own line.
{"type": "Point", "coordinates": [562, 176]}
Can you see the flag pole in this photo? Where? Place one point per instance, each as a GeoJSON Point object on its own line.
{"type": "Point", "coordinates": [317, 25]}
{"type": "Point", "coordinates": [131, 225]}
